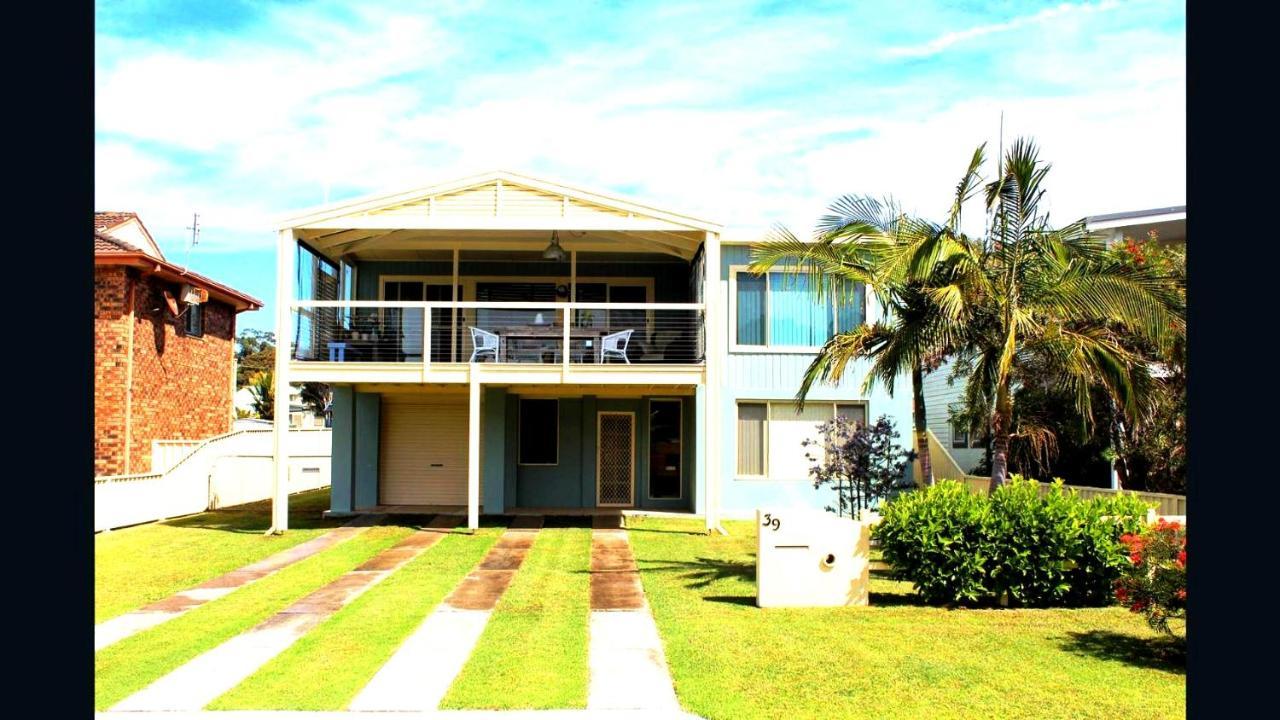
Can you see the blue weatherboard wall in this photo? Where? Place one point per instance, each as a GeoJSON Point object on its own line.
{"type": "Point", "coordinates": [342, 472]}
{"type": "Point", "coordinates": [571, 483]}
{"type": "Point", "coordinates": [368, 407]}
{"type": "Point", "coordinates": [752, 375]}
{"type": "Point", "coordinates": [354, 468]}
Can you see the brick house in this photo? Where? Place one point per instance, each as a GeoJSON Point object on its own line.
{"type": "Point", "coordinates": [164, 347]}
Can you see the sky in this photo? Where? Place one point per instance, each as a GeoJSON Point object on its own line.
{"type": "Point", "coordinates": [745, 113]}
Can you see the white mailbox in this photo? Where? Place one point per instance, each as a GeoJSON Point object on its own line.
{"type": "Point", "coordinates": [811, 558]}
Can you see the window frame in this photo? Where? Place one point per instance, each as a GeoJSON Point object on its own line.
{"type": "Point", "coordinates": [520, 432]}
{"type": "Point", "coordinates": [957, 433]}
{"type": "Point", "coordinates": [194, 310]}
{"type": "Point", "coordinates": [768, 420]}
{"type": "Point", "coordinates": [768, 346]}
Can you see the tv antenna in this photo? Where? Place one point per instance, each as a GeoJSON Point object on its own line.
{"type": "Point", "coordinates": [194, 227]}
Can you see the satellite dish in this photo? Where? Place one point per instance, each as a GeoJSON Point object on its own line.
{"type": "Point", "coordinates": [171, 302]}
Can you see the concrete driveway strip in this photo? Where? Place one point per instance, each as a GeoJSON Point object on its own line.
{"type": "Point", "coordinates": [420, 672]}
{"type": "Point", "coordinates": [628, 670]}
{"type": "Point", "coordinates": [118, 628]}
{"type": "Point", "coordinates": [197, 683]}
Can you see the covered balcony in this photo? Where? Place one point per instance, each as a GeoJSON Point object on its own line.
{"type": "Point", "coordinates": [455, 296]}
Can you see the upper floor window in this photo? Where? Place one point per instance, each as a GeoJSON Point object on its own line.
{"type": "Point", "coordinates": [777, 309]}
{"type": "Point", "coordinates": [193, 320]}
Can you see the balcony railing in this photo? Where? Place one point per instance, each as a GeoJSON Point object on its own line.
{"type": "Point", "coordinates": [498, 332]}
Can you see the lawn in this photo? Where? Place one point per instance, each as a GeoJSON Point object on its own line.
{"type": "Point", "coordinates": [137, 566]}
{"type": "Point", "coordinates": [137, 661]}
{"type": "Point", "coordinates": [329, 666]}
{"type": "Point", "coordinates": [894, 659]}
{"type": "Point", "coordinates": [533, 652]}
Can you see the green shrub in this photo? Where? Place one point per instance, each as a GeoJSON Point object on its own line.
{"type": "Point", "coordinates": [1102, 556]}
{"type": "Point", "coordinates": [1021, 545]}
{"type": "Point", "coordinates": [934, 538]}
{"type": "Point", "coordinates": [1031, 542]}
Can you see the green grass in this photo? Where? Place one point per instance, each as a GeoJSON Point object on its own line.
{"type": "Point", "coordinates": [329, 666]}
{"type": "Point", "coordinates": [894, 659]}
{"type": "Point", "coordinates": [137, 661]}
{"type": "Point", "coordinates": [533, 653]}
{"type": "Point", "coordinates": [137, 566]}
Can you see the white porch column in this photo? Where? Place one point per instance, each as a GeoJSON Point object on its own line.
{"type": "Point", "coordinates": [285, 249]}
{"type": "Point", "coordinates": [473, 453]}
{"type": "Point", "coordinates": [715, 329]}
{"type": "Point", "coordinates": [453, 324]}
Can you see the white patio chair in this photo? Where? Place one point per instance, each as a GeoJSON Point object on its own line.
{"type": "Point", "coordinates": [615, 345]}
{"type": "Point", "coordinates": [483, 342]}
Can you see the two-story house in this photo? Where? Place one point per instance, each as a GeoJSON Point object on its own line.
{"type": "Point", "coordinates": [503, 344]}
{"type": "Point", "coordinates": [163, 347]}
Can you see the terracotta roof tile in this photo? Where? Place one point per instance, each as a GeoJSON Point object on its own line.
{"type": "Point", "coordinates": [104, 243]}
{"type": "Point", "coordinates": [109, 219]}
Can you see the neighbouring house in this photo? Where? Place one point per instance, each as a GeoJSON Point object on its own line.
{"type": "Point", "coordinates": [163, 347]}
{"type": "Point", "coordinates": [943, 398]}
{"type": "Point", "coordinates": [503, 343]}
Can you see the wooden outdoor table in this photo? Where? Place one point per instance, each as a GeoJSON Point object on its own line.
{"type": "Point", "coordinates": [549, 332]}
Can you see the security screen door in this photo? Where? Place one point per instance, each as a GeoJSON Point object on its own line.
{"type": "Point", "coordinates": [615, 459]}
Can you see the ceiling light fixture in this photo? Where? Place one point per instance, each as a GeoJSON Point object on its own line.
{"type": "Point", "coordinates": [554, 251]}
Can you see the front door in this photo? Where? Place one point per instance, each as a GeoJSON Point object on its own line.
{"type": "Point", "coordinates": [615, 459]}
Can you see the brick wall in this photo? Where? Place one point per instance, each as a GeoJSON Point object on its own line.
{"type": "Point", "coordinates": [110, 344]}
{"type": "Point", "coordinates": [181, 384]}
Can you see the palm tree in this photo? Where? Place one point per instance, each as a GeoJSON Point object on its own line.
{"type": "Point", "coordinates": [1050, 303]}
{"type": "Point", "coordinates": [902, 259]}
{"type": "Point", "coordinates": [262, 387]}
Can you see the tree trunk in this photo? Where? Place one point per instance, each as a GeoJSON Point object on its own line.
{"type": "Point", "coordinates": [921, 425]}
{"type": "Point", "coordinates": [1001, 424]}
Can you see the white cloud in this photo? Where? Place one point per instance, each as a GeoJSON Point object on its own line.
{"type": "Point", "coordinates": [946, 40]}
{"type": "Point", "coordinates": [288, 123]}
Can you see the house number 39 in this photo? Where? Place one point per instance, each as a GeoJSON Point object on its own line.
{"type": "Point", "coordinates": [771, 522]}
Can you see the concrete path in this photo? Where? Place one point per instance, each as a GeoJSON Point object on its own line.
{"type": "Point", "coordinates": [628, 670]}
{"type": "Point", "coordinates": [118, 628]}
{"type": "Point", "coordinates": [420, 672]}
{"type": "Point", "coordinates": [203, 679]}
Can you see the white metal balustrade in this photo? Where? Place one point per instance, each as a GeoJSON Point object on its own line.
{"type": "Point", "coordinates": [498, 332]}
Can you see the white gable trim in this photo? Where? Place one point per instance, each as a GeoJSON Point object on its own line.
{"type": "Point", "coordinates": [333, 215]}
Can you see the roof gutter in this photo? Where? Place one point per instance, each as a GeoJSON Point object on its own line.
{"type": "Point", "coordinates": [240, 301]}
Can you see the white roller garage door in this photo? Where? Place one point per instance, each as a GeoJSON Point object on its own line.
{"type": "Point", "coordinates": [423, 459]}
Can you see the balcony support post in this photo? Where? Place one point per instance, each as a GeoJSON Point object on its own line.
{"type": "Point", "coordinates": [473, 451]}
{"type": "Point", "coordinates": [426, 341]}
{"type": "Point", "coordinates": [715, 329]}
{"type": "Point", "coordinates": [286, 247]}
{"type": "Point", "coordinates": [453, 323]}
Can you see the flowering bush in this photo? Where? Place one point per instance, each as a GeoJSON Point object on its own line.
{"type": "Point", "coordinates": [1155, 581]}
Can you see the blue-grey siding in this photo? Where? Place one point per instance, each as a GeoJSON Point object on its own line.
{"type": "Point", "coordinates": [753, 375]}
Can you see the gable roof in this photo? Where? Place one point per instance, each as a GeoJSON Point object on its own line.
{"type": "Point", "coordinates": [127, 227]}
{"type": "Point", "coordinates": [109, 219]}
{"type": "Point", "coordinates": [529, 191]}
{"type": "Point", "coordinates": [111, 250]}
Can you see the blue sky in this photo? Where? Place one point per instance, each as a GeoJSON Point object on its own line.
{"type": "Point", "coordinates": [746, 113]}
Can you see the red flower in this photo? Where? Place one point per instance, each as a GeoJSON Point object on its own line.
{"type": "Point", "coordinates": [1182, 558]}
{"type": "Point", "coordinates": [1135, 558]}
{"type": "Point", "coordinates": [1138, 606]}
{"type": "Point", "coordinates": [1122, 594]}
{"type": "Point", "coordinates": [1181, 594]}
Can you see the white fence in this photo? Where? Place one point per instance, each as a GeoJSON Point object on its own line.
{"type": "Point", "coordinates": [226, 470]}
